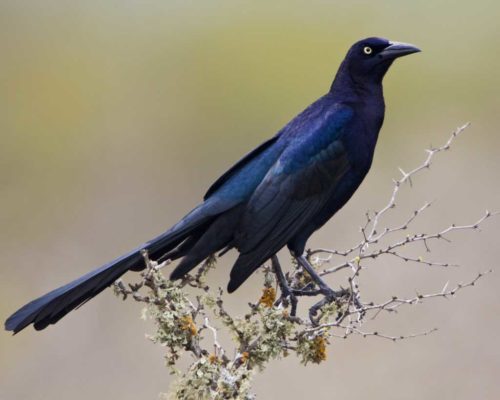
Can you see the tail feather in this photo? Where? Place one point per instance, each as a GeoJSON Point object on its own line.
{"type": "Point", "coordinates": [245, 266]}
{"type": "Point", "coordinates": [217, 236]}
{"type": "Point", "coordinates": [51, 307]}
{"type": "Point", "coordinates": [182, 249]}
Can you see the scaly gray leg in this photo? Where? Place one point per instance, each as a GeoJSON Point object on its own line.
{"type": "Point", "coordinates": [286, 291]}
{"type": "Point", "coordinates": [324, 289]}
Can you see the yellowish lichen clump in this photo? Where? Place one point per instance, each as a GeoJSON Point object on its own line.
{"type": "Point", "coordinates": [312, 348]}
{"type": "Point", "coordinates": [187, 324]}
{"type": "Point", "coordinates": [319, 349]}
{"type": "Point", "coordinates": [268, 297]}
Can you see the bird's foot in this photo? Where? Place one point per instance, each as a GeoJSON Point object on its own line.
{"type": "Point", "coordinates": [288, 296]}
{"type": "Point", "coordinates": [330, 296]}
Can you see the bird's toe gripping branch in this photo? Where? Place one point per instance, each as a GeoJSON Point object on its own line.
{"type": "Point", "coordinates": [289, 294]}
{"type": "Point", "coordinates": [330, 296]}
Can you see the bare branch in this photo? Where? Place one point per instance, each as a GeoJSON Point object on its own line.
{"type": "Point", "coordinates": [268, 331]}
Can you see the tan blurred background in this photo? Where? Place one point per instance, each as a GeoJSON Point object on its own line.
{"type": "Point", "coordinates": [116, 116]}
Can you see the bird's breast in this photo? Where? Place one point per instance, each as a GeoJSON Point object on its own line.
{"type": "Point", "coordinates": [362, 137]}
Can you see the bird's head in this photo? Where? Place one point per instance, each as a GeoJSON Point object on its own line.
{"type": "Point", "coordinates": [369, 59]}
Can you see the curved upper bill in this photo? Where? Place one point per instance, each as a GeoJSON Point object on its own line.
{"type": "Point", "coordinates": [398, 49]}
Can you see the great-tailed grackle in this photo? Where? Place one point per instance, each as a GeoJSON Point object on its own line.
{"type": "Point", "coordinates": [275, 196]}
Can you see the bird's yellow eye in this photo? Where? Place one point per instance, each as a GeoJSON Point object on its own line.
{"type": "Point", "coordinates": [367, 50]}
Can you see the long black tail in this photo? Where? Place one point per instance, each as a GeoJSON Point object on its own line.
{"type": "Point", "coordinates": [50, 308]}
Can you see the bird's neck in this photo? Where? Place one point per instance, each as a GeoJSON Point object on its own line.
{"type": "Point", "coordinates": [365, 96]}
{"type": "Point", "coordinates": [367, 100]}
{"type": "Point", "coordinates": [348, 87]}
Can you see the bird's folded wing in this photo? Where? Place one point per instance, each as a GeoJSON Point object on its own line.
{"type": "Point", "coordinates": [290, 194]}
{"type": "Point", "coordinates": [297, 187]}
{"type": "Point", "coordinates": [236, 168]}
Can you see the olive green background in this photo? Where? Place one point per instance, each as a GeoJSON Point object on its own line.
{"type": "Point", "coordinates": [115, 117]}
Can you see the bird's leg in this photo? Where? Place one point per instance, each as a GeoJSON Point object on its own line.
{"type": "Point", "coordinates": [324, 289]}
{"type": "Point", "coordinates": [290, 293]}
{"type": "Point", "coordinates": [330, 294]}
{"type": "Point", "coordinates": [286, 291]}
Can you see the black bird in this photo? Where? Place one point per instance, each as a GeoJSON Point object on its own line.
{"type": "Point", "coordinates": [275, 196]}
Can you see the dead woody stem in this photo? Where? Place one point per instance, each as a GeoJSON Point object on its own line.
{"type": "Point", "coordinates": [224, 371]}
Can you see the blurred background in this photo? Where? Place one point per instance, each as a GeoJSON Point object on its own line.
{"type": "Point", "coordinates": [116, 116]}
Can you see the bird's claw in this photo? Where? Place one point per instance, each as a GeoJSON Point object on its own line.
{"type": "Point", "coordinates": [288, 297]}
{"type": "Point", "coordinates": [330, 296]}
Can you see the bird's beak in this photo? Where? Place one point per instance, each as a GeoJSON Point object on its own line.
{"type": "Point", "coordinates": [398, 49]}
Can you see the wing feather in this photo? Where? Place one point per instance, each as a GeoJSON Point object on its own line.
{"type": "Point", "coordinates": [297, 186]}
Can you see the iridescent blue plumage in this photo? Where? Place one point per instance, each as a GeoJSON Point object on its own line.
{"type": "Point", "coordinates": [276, 196]}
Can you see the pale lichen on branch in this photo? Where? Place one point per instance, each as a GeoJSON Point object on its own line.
{"type": "Point", "coordinates": [269, 330]}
